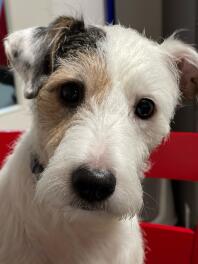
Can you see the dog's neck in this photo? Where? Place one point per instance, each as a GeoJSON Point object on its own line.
{"type": "Point", "coordinates": [36, 166]}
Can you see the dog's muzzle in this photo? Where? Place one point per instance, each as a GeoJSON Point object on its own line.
{"type": "Point", "coordinates": [93, 185]}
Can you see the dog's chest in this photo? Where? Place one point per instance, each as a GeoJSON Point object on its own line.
{"type": "Point", "coordinates": [94, 247]}
{"type": "Point", "coordinates": [89, 246]}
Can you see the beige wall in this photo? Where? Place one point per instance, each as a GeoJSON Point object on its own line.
{"type": "Point", "coordinates": [27, 13]}
{"type": "Point", "coordinates": [92, 10]}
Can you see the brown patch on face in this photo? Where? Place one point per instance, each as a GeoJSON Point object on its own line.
{"type": "Point", "coordinates": [53, 117]}
{"type": "Point", "coordinates": [94, 75]}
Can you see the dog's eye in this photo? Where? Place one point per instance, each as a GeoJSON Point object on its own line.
{"type": "Point", "coordinates": [72, 93]}
{"type": "Point", "coordinates": [145, 108]}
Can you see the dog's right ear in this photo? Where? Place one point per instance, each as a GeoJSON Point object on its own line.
{"type": "Point", "coordinates": [30, 51]}
{"type": "Point", "coordinates": [185, 57]}
{"type": "Point", "coordinates": [27, 52]}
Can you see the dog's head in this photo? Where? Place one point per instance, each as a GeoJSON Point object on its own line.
{"type": "Point", "coordinates": [103, 98]}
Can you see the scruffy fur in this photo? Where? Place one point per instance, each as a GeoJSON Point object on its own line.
{"type": "Point", "coordinates": [43, 221]}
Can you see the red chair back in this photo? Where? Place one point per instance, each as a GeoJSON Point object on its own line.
{"type": "Point", "coordinates": [177, 159]}
{"type": "Point", "coordinates": [7, 140]}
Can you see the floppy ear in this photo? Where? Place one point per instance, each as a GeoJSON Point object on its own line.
{"type": "Point", "coordinates": [27, 52]}
{"type": "Point", "coordinates": [30, 51]}
{"type": "Point", "coordinates": [186, 59]}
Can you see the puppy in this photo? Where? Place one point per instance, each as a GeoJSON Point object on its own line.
{"type": "Point", "coordinates": [102, 99]}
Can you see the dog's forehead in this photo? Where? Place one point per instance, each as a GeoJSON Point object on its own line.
{"type": "Point", "coordinates": [124, 50]}
{"type": "Point", "coordinates": [120, 56]}
{"type": "Point", "coordinates": [113, 54]}
{"type": "Point", "coordinates": [117, 44]}
{"type": "Point", "coordinates": [139, 65]}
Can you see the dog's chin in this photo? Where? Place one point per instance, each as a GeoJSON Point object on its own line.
{"type": "Point", "coordinates": [88, 215]}
{"type": "Point", "coordinates": [80, 209]}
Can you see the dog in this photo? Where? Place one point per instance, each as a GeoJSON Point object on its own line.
{"type": "Point", "coordinates": [102, 98]}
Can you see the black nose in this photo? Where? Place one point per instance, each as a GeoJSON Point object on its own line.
{"type": "Point", "coordinates": [93, 185]}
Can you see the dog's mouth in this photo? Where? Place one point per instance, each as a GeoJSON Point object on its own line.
{"type": "Point", "coordinates": [87, 206]}
{"type": "Point", "coordinates": [100, 209]}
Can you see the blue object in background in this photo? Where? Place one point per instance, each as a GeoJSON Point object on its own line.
{"type": "Point", "coordinates": [7, 94]}
{"type": "Point", "coordinates": [1, 4]}
{"type": "Point", "coordinates": [110, 11]}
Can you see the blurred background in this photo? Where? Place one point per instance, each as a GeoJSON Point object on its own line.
{"type": "Point", "coordinates": [169, 202]}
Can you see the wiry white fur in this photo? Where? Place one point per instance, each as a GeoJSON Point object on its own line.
{"type": "Point", "coordinates": [38, 223]}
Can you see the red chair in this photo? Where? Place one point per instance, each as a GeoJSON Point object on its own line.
{"type": "Point", "coordinates": [7, 140]}
{"type": "Point", "coordinates": [176, 159]}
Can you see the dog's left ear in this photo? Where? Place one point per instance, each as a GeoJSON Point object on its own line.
{"type": "Point", "coordinates": [186, 59]}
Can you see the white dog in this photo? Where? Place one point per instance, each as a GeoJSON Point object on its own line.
{"type": "Point", "coordinates": [102, 100]}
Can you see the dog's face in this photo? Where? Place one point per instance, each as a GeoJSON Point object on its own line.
{"type": "Point", "coordinates": [103, 98]}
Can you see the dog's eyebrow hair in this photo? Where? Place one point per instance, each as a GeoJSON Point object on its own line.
{"type": "Point", "coordinates": [53, 85]}
{"type": "Point", "coordinates": [61, 76]}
